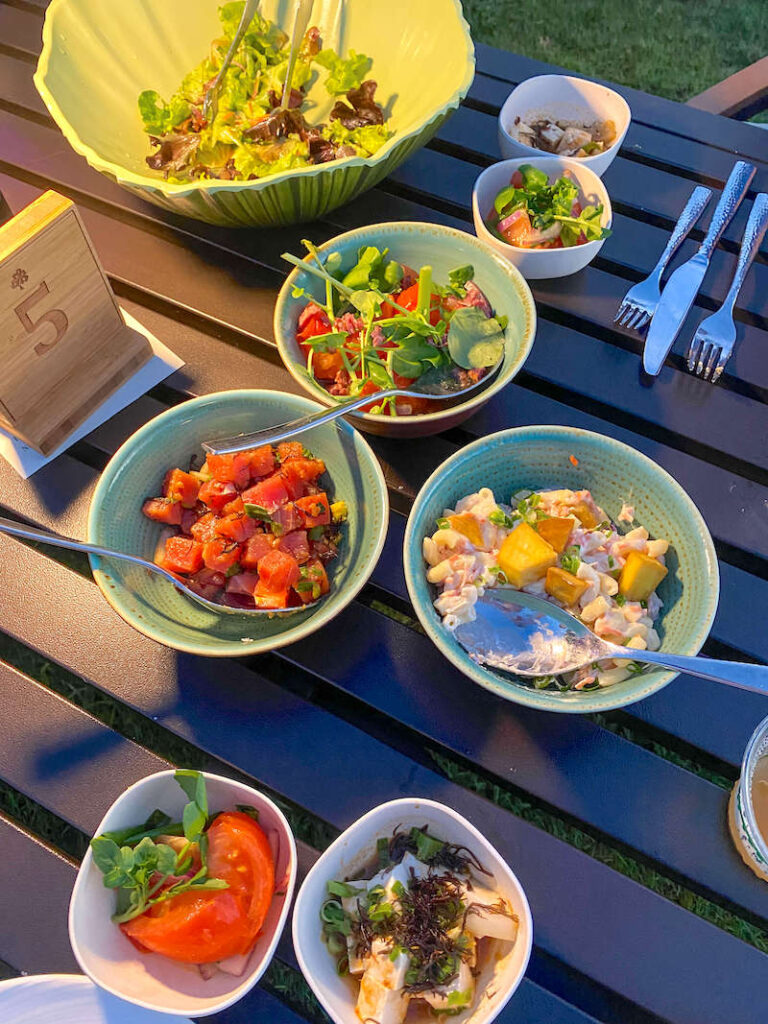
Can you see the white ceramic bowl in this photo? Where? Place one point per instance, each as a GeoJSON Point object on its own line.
{"type": "Point", "coordinates": [150, 980]}
{"type": "Point", "coordinates": [354, 848]}
{"type": "Point", "coordinates": [538, 263]}
{"type": "Point", "coordinates": [564, 96]}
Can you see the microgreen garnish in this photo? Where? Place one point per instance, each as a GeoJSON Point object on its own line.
{"type": "Point", "coordinates": [140, 868]}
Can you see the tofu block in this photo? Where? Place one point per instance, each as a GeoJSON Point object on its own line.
{"type": "Point", "coordinates": [381, 997]}
{"type": "Point", "coordinates": [556, 530]}
{"type": "Point", "coordinates": [524, 557]}
{"type": "Point", "coordinates": [564, 585]}
{"type": "Point", "coordinates": [457, 994]}
{"type": "Point", "coordinates": [640, 576]}
{"type": "Point", "coordinates": [489, 925]}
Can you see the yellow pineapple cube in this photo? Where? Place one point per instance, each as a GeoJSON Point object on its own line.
{"type": "Point", "coordinates": [564, 585]}
{"type": "Point", "coordinates": [524, 557]}
{"type": "Point", "coordinates": [555, 530]}
{"type": "Point", "coordinates": [467, 524]}
{"type": "Point", "coordinates": [640, 576]}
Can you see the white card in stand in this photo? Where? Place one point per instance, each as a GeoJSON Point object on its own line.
{"type": "Point", "coordinates": [26, 460]}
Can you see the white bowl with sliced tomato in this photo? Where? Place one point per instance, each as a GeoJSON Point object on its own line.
{"type": "Point", "coordinates": [291, 531]}
{"type": "Point", "coordinates": [549, 216]}
{"type": "Point", "coordinates": [184, 892]}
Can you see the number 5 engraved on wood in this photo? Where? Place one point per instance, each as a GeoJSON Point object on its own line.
{"type": "Point", "coordinates": [56, 317]}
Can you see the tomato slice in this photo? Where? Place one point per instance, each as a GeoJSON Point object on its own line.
{"type": "Point", "coordinates": [325, 365]}
{"type": "Point", "coordinates": [409, 299]}
{"type": "Point", "coordinates": [201, 928]}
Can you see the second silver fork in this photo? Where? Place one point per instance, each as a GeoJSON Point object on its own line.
{"type": "Point", "coordinates": [712, 344]}
{"type": "Point", "coordinates": [639, 304]}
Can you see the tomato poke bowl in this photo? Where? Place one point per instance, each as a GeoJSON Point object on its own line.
{"type": "Point", "coordinates": [393, 305]}
{"type": "Point", "coordinates": [292, 530]}
{"type": "Point", "coordinates": [549, 216]}
{"type": "Point", "coordinates": [183, 893]}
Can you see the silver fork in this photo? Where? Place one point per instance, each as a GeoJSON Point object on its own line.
{"type": "Point", "coordinates": [712, 344]}
{"type": "Point", "coordinates": [639, 304]}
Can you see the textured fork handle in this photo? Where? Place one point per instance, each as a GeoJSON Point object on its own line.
{"type": "Point", "coordinates": [750, 246]}
{"type": "Point", "coordinates": [734, 191]}
{"type": "Point", "coordinates": [691, 213]}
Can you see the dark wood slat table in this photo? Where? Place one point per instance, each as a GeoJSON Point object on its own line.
{"type": "Point", "coordinates": [615, 824]}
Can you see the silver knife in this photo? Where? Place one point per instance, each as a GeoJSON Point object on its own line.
{"type": "Point", "coordinates": [683, 286]}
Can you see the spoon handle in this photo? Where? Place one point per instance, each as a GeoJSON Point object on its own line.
{"type": "Point", "coordinates": [57, 541]}
{"type": "Point", "coordinates": [303, 11]}
{"type": "Point", "coordinates": [734, 673]}
{"type": "Point", "coordinates": [271, 435]}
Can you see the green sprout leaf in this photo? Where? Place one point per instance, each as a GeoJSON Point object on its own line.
{"type": "Point", "coordinates": [474, 340]}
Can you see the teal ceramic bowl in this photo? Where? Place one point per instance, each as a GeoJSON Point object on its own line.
{"type": "Point", "coordinates": [418, 244]}
{"type": "Point", "coordinates": [151, 604]}
{"type": "Point", "coordinates": [98, 56]}
{"type": "Point", "coordinates": [537, 458]}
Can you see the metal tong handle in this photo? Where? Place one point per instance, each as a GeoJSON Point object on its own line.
{"type": "Point", "coordinates": [733, 192]}
{"type": "Point", "coordinates": [750, 246]}
{"type": "Point", "coordinates": [734, 673]}
{"type": "Point", "coordinates": [300, 22]}
{"type": "Point", "coordinates": [692, 210]}
{"type": "Point", "coordinates": [271, 435]}
{"type": "Point", "coordinates": [210, 103]}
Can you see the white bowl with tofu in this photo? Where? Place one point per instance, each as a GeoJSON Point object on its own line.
{"type": "Point", "coordinates": [564, 116]}
{"type": "Point", "coordinates": [491, 945]}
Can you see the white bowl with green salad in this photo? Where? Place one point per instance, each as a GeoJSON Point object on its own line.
{"type": "Point", "coordinates": [126, 84]}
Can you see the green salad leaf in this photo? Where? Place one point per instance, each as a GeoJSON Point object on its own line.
{"type": "Point", "coordinates": [474, 340]}
{"type": "Point", "coordinates": [343, 75]}
{"type": "Point", "coordinates": [160, 117]}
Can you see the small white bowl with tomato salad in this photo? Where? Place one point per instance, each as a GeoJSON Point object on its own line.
{"type": "Point", "coordinates": [172, 923]}
{"type": "Point", "coordinates": [549, 216]}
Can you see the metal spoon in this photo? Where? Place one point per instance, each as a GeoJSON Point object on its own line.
{"type": "Point", "coordinates": [528, 636]}
{"type": "Point", "coordinates": [211, 101]}
{"type": "Point", "coordinates": [57, 541]}
{"type": "Point", "coordinates": [435, 384]}
{"type": "Point", "coordinates": [300, 22]}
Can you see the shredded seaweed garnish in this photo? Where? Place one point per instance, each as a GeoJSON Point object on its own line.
{"type": "Point", "coordinates": [435, 852]}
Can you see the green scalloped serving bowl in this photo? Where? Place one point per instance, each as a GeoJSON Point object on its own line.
{"type": "Point", "coordinates": [538, 458]}
{"type": "Point", "coordinates": [151, 604]}
{"type": "Point", "coordinates": [416, 244]}
{"type": "Point", "coordinates": [97, 57]}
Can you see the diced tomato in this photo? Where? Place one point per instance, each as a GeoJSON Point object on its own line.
{"type": "Point", "coordinates": [278, 571]}
{"type": "Point", "coordinates": [516, 228]}
{"type": "Point", "coordinates": [287, 518]}
{"type": "Point", "coordinates": [369, 388]}
{"type": "Point", "coordinates": [205, 527]}
{"type": "Point", "coordinates": [296, 545]}
{"type": "Point", "coordinates": [163, 510]}
{"type": "Point", "coordinates": [270, 494]}
{"type": "Point", "coordinates": [409, 299]}
{"type": "Point", "coordinates": [234, 507]}
{"type": "Point", "coordinates": [217, 493]}
{"type": "Point", "coordinates": [298, 472]}
{"type": "Point", "coordinates": [517, 180]}
{"type": "Point", "coordinates": [315, 510]}
{"type": "Point", "coordinates": [325, 365]}
{"type": "Point", "coordinates": [261, 460]}
{"type": "Point", "coordinates": [230, 469]}
{"type": "Point", "coordinates": [287, 450]}
{"type": "Point", "coordinates": [256, 547]}
{"type": "Point", "coordinates": [206, 926]}
{"type": "Point", "coordinates": [182, 554]}
{"type": "Point", "coordinates": [313, 321]}
{"type": "Point", "coordinates": [182, 487]}
{"type": "Point", "coordinates": [317, 579]}
{"type": "Point", "coordinates": [412, 406]}
{"type": "Point", "coordinates": [189, 517]}
{"type": "Point", "coordinates": [238, 527]}
{"type": "Point", "coordinates": [220, 555]}
{"type": "Point", "coordinates": [243, 583]}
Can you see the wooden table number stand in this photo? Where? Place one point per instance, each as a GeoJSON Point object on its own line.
{"type": "Point", "coordinates": [64, 347]}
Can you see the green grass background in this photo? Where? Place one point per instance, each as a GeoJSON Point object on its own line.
{"type": "Point", "coordinates": [674, 48]}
